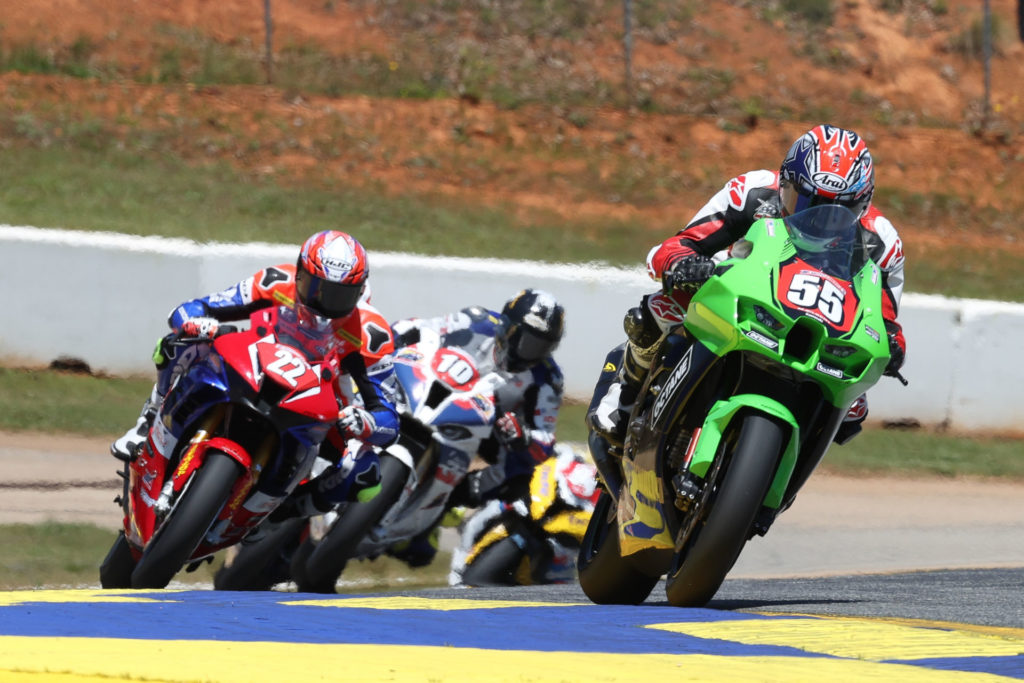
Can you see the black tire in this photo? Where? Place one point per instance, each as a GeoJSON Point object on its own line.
{"type": "Point", "coordinates": [495, 566]}
{"type": "Point", "coordinates": [605, 576]}
{"type": "Point", "coordinates": [316, 568]}
{"type": "Point", "coordinates": [117, 567]}
{"type": "Point", "coordinates": [180, 534]}
{"type": "Point", "coordinates": [714, 547]}
{"type": "Point", "coordinates": [258, 566]}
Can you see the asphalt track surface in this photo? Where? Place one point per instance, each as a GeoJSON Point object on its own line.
{"type": "Point", "coordinates": [809, 620]}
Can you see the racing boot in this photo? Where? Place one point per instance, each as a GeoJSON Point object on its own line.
{"type": "Point", "coordinates": [127, 446]}
{"type": "Point", "coordinates": [851, 424]}
{"type": "Point", "coordinates": [621, 380]}
{"type": "Point", "coordinates": [418, 551]}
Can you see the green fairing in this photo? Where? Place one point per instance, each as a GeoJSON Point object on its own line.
{"type": "Point", "coordinates": [721, 314]}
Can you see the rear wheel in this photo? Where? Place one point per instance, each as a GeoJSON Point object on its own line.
{"type": "Point", "coordinates": [738, 491]}
{"type": "Point", "coordinates": [605, 576]}
{"type": "Point", "coordinates": [117, 567]}
{"type": "Point", "coordinates": [260, 565]}
{"type": "Point", "coordinates": [316, 567]}
{"type": "Point", "coordinates": [181, 532]}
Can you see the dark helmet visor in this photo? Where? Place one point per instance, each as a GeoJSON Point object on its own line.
{"type": "Point", "coordinates": [329, 299]}
{"type": "Point", "coordinates": [531, 347]}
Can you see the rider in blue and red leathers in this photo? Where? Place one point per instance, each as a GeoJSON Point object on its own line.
{"type": "Point", "coordinates": [326, 288]}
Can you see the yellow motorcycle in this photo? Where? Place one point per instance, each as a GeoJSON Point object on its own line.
{"type": "Point", "coordinates": [534, 539]}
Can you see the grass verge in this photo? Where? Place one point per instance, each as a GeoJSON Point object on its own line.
{"type": "Point", "coordinates": [58, 555]}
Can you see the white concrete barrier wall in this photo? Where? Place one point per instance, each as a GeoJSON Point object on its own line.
{"type": "Point", "coordinates": [104, 298]}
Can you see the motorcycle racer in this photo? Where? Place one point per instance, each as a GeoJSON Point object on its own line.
{"type": "Point", "coordinates": [326, 289]}
{"type": "Point", "coordinates": [515, 344]}
{"type": "Point", "coordinates": [826, 165]}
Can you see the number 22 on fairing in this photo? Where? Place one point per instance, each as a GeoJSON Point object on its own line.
{"type": "Point", "coordinates": [814, 292]}
{"type": "Point", "coordinates": [286, 364]}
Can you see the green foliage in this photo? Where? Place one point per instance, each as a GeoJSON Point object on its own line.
{"type": "Point", "coordinates": [818, 12]}
{"type": "Point", "coordinates": [970, 42]}
{"type": "Point", "coordinates": [75, 60]}
{"type": "Point", "coordinates": [122, 192]}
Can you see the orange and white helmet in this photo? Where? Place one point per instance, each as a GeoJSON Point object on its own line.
{"type": "Point", "coordinates": [331, 273]}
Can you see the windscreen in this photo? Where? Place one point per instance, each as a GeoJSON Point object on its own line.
{"type": "Point", "coordinates": [826, 237]}
{"type": "Point", "coordinates": [305, 331]}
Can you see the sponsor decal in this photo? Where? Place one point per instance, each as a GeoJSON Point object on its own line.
{"type": "Point", "coordinates": [829, 370]}
{"type": "Point", "coordinates": [736, 191]}
{"type": "Point", "coordinates": [672, 383]}
{"type": "Point", "coordinates": [763, 340]}
{"type": "Point", "coordinates": [871, 332]}
{"type": "Point", "coordinates": [830, 181]}
{"type": "Point", "coordinates": [665, 308]}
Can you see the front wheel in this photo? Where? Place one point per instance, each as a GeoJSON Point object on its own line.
{"type": "Point", "coordinates": [713, 547]}
{"type": "Point", "coordinates": [181, 532]}
{"type": "Point", "coordinates": [605, 575]}
{"type": "Point", "coordinates": [495, 566]}
{"type": "Point", "coordinates": [316, 568]}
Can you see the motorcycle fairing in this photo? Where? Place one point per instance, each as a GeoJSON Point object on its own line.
{"type": "Point", "coordinates": [716, 423]}
{"type": "Point", "coordinates": [733, 314]}
{"type": "Point", "coordinates": [201, 401]}
{"type": "Point", "coordinates": [641, 513]}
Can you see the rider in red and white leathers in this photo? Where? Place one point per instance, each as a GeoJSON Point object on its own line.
{"type": "Point", "coordinates": [326, 289]}
{"type": "Point", "coordinates": [826, 165]}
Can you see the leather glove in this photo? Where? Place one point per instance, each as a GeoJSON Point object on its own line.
{"type": "Point", "coordinates": [202, 328]}
{"type": "Point", "coordinates": [510, 433]}
{"type": "Point", "coordinates": [687, 273]}
{"type": "Point", "coordinates": [356, 423]}
{"type": "Point", "coordinates": [897, 354]}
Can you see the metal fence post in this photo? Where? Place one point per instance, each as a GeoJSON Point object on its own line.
{"type": "Point", "coordinates": [627, 46]}
{"type": "Point", "coordinates": [268, 23]}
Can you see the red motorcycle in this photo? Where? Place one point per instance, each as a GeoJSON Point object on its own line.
{"type": "Point", "coordinates": [238, 430]}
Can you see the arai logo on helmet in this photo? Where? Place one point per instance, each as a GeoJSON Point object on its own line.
{"type": "Point", "coordinates": [830, 181]}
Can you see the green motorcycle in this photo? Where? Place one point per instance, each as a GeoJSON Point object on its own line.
{"type": "Point", "coordinates": [740, 405]}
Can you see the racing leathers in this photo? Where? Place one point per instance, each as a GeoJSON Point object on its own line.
{"type": "Point", "coordinates": [529, 400]}
{"type": "Point", "coordinates": [717, 231]}
{"type": "Point", "coordinates": [364, 344]}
